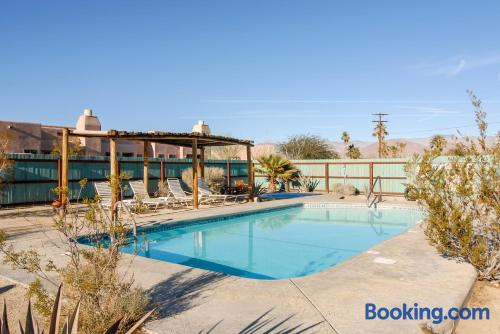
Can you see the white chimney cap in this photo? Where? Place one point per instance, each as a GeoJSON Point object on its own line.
{"type": "Point", "coordinates": [87, 112]}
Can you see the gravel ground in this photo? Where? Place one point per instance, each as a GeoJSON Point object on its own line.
{"type": "Point", "coordinates": [483, 295]}
{"type": "Point", "coordinates": [17, 303]}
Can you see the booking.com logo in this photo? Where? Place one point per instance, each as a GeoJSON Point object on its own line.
{"type": "Point", "coordinates": [416, 312]}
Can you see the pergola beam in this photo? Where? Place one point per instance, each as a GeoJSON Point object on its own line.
{"type": "Point", "coordinates": [179, 139]}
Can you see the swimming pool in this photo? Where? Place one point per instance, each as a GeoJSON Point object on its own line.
{"type": "Point", "coordinates": [274, 244]}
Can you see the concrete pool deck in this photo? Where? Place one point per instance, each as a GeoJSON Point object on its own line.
{"type": "Point", "coordinates": [333, 301]}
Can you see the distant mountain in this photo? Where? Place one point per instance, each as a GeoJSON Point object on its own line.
{"type": "Point", "coordinates": [370, 149]}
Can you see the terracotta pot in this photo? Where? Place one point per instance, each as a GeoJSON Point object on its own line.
{"type": "Point", "coordinates": [56, 204]}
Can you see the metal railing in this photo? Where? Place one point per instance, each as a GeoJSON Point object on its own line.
{"type": "Point", "coordinates": [376, 198]}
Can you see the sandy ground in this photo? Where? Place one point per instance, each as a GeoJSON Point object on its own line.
{"type": "Point", "coordinates": [17, 303]}
{"type": "Point", "coordinates": [483, 295]}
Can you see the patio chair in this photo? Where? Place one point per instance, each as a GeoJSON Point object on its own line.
{"type": "Point", "coordinates": [205, 191]}
{"type": "Point", "coordinates": [103, 190]}
{"type": "Point", "coordinates": [141, 194]}
{"type": "Point", "coordinates": [174, 185]}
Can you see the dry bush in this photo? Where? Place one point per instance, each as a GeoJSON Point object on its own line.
{"type": "Point", "coordinates": [462, 198]}
{"type": "Point", "coordinates": [344, 189]}
{"type": "Point", "coordinates": [91, 275]}
{"type": "Point", "coordinates": [214, 177]}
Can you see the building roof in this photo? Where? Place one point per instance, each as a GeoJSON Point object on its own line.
{"type": "Point", "coordinates": [173, 138]}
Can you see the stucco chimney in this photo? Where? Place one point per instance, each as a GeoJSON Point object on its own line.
{"type": "Point", "coordinates": [201, 127]}
{"type": "Point", "coordinates": [87, 121]}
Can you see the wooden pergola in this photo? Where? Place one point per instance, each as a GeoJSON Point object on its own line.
{"type": "Point", "coordinates": [196, 141]}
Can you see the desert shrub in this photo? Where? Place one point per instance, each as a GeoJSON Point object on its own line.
{"type": "Point", "coordinates": [91, 275]}
{"type": "Point", "coordinates": [139, 206]}
{"type": "Point", "coordinates": [462, 198]}
{"type": "Point", "coordinates": [307, 183]}
{"type": "Point", "coordinates": [344, 189]}
{"type": "Point", "coordinates": [214, 177]}
{"type": "Point", "coordinates": [163, 190]}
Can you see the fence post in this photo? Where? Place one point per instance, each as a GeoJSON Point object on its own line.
{"type": "Point", "coordinates": [228, 167]}
{"type": "Point", "coordinates": [59, 178]}
{"type": "Point", "coordinates": [327, 178]}
{"type": "Point", "coordinates": [162, 171]}
{"type": "Point", "coordinates": [371, 175]}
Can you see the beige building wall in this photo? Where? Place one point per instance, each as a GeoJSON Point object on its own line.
{"type": "Point", "coordinates": [37, 138]}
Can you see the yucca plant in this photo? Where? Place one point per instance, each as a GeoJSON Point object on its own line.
{"type": "Point", "coordinates": [70, 325]}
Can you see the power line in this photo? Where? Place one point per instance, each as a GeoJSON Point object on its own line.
{"type": "Point", "coordinates": [439, 129]}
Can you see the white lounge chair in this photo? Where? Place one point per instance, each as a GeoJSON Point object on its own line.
{"type": "Point", "coordinates": [141, 194]}
{"type": "Point", "coordinates": [204, 189]}
{"type": "Point", "coordinates": [103, 190]}
{"type": "Point", "coordinates": [180, 195]}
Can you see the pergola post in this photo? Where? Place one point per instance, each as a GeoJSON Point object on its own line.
{"type": "Point", "coordinates": [113, 175]}
{"type": "Point", "coordinates": [64, 167]}
{"type": "Point", "coordinates": [202, 162]}
{"type": "Point", "coordinates": [145, 176]}
{"type": "Point", "coordinates": [250, 170]}
{"type": "Point", "coordinates": [194, 165]}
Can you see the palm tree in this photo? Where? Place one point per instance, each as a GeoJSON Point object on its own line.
{"type": "Point", "coordinates": [380, 132]}
{"type": "Point", "coordinates": [345, 138]}
{"type": "Point", "coordinates": [383, 130]}
{"type": "Point", "coordinates": [353, 152]}
{"type": "Point", "coordinates": [276, 167]}
{"type": "Point", "coordinates": [438, 143]}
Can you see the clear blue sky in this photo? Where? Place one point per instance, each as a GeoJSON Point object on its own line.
{"type": "Point", "coordinates": [261, 70]}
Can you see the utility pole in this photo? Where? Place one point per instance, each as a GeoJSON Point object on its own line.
{"type": "Point", "coordinates": [380, 128]}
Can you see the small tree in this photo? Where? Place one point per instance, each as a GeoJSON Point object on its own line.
{"type": "Point", "coordinates": [276, 168]}
{"type": "Point", "coordinates": [307, 147]}
{"type": "Point", "coordinates": [462, 198]}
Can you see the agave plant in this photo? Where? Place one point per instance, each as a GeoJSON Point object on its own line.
{"type": "Point", "coordinates": [70, 325]}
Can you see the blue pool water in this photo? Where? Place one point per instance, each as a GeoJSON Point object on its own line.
{"type": "Point", "coordinates": [277, 244]}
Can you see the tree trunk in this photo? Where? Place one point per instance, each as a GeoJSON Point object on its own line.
{"type": "Point", "coordinates": [272, 184]}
